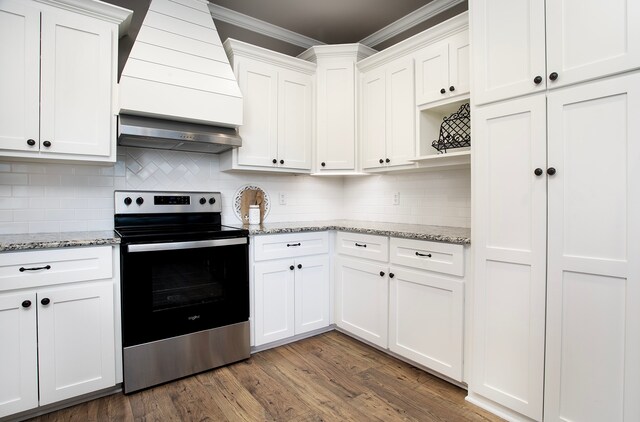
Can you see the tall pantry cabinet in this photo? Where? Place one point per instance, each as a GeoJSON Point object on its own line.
{"type": "Point", "coordinates": [556, 182]}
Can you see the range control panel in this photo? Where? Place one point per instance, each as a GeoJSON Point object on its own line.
{"type": "Point", "coordinates": [149, 202]}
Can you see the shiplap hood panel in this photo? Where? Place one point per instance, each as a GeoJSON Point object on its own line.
{"type": "Point", "coordinates": [178, 69]}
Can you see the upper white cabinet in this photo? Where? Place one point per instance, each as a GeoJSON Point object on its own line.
{"type": "Point", "coordinates": [388, 115]}
{"type": "Point", "coordinates": [584, 40]}
{"type": "Point", "coordinates": [442, 69]}
{"type": "Point", "coordinates": [277, 131]}
{"type": "Point", "coordinates": [58, 80]}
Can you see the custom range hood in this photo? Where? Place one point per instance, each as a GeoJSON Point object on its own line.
{"type": "Point", "coordinates": [177, 88]}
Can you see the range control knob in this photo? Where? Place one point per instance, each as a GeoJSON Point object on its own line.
{"type": "Point", "coordinates": [212, 200]}
{"type": "Point", "coordinates": [127, 201]}
{"type": "Point", "coordinates": [203, 201]}
{"type": "Point", "coordinates": [139, 200]}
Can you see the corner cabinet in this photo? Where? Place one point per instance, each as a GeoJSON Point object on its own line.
{"type": "Point", "coordinates": [58, 325]}
{"type": "Point", "coordinates": [58, 79]}
{"type": "Point", "coordinates": [277, 130]}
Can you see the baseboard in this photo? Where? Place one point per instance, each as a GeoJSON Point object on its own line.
{"type": "Point", "coordinates": [262, 347]}
{"type": "Point", "coordinates": [496, 409]}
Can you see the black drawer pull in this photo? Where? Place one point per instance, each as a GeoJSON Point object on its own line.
{"type": "Point", "coordinates": [428, 255]}
{"type": "Point", "coordinates": [364, 245]}
{"type": "Point", "coordinates": [46, 267]}
{"type": "Point", "coordinates": [293, 244]}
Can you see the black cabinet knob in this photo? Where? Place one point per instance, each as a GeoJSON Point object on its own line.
{"type": "Point", "coordinates": [46, 144]}
{"type": "Point", "coordinates": [139, 200]}
{"type": "Point", "coordinates": [442, 91]}
{"type": "Point", "coordinates": [274, 161]}
{"type": "Point", "coordinates": [31, 142]}
{"type": "Point", "coordinates": [281, 161]}
{"type": "Point", "coordinates": [387, 161]}
{"type": "Point", "coordinates": [452, 88]}
{"type": "Point", "coordinates": [381, 161]}
{"type": "Point", "coordinates": [537, 80]}
{"type": "Point", "coordinates": [203, 201]}
{"type": "Point", "coordinates": [299, 266]}
{"type": "Point", "coordinates": [323, 164]}
{"type": "Point", "coordinates": [538, 171]}
{"type": "Point", "coordinates": [291, 267]}
{"type": "Point", "coordinates": [45, 301]}
{"type": "Point", "coordinates": [26, 303]}
{"type": "Point", "coordinates": [551, 171]}
{"type": "Point", "coordinates": [128, 201]}
{"type": "Point", "coordinates": [391, 275]}
{"type": "Point", "coordinates": [553, 76]}
{"type": "Point", "coordinates": [212, 201]}
{"type": "Point", "coordinates": [381, 273]}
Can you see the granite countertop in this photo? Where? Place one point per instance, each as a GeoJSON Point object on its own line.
{"type": "Point", "coordinates": [457, 235]}
{"type": "Point", "coordinates": [19, 242]}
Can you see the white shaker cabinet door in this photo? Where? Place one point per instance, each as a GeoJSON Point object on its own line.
{"type": "Point", "coordinates": [593, 302]}
{"type": "Point", "coordinates": [294, 119]}
{"type": "Point", "coordinates": [19, 76]}
{"type": "Point", "coordinates": [312, 293]}
{"type": "Point", "coordinates": [510, 254]}
{"type": "Point", "coordinates": [587, 39]}
{"type": "Point", "coordinates": [18, 353]}
{"type": "Point", "coordinates": [76, 345]}
{"type": "Point", "coordinates": [373, 135]}
{"type": "Point", "coordinates": [274, 301]}
{"type": "Point", "coordinates": [432, 73]}
{"type": "Point", "coordinates": [508, 47]}
{"type": "Point", "coordinates": [77, 78]}
{"type": "Point", "coordinates": [401, 113]}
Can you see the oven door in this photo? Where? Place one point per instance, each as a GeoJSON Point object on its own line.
{"type": "Point", "coordinates": [175, 288]}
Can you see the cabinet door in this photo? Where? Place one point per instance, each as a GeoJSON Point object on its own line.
{"type": "Point", "coordinates": [510, 254]}
{"type": "Point", "coordinates": [401, 113]}
{"type": "Point", "coordinates": [259, 84]}
{"type": "Point", "coordinates": [274, 301]}
{"type": "Point", "coordinates": [18, 354]}
{"type": "Point", "coordinates": [508, 39]}
{"type": "Point", "coordinates": [336, 116]}
{"type": "Point", "coordinates": [432, 73]}
{"type": "Point", "coordinates": [295, 127]}
{"type": "Point", "coordinates": [77, 78]}
{"type": "Point", "coordinates": [459, 66]}
{"type": "Point", "coordinates": [312, 293]}
{"type": "Point", "coordinates": [76, 348]}
{"type": "Point", "coordinates": [588, 39]}
{"type": "Point", "coordinates": [593, 303]}
{"type": "Point", "coordinates": [19, 76]}
{"type": "Point", "coordinates": [374, 108]}
{"type": "Point", "coordinates": [362, 299]}
{"type": "Point", "coordinates": [426, 320]}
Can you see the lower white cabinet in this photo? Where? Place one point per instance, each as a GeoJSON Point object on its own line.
{"type": "Point", "coordinates": [58, 340]}
{"type": "Point", "coordinates": [291, 296]}
{"type": "Point", "coordinates": [362, 299]}
{"type": "Point", "coordinates": [426, 319]}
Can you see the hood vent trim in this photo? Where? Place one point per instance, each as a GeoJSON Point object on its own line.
{"type": "Point", "coordinates": [147, 132]}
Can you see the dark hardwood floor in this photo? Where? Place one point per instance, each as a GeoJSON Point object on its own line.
{"type": "Point", "coordinates": [330, 377]}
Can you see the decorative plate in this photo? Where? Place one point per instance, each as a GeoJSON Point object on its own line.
{"type": "Point", "coordinates": [237, 199]}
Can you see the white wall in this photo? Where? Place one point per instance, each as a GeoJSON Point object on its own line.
{"type": "Point", "coordinates": [51, 197]}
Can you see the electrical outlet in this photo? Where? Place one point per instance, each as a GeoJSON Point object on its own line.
{"type": "Point", "coordinates": [283, 199]}
{"type": "Point", "coordinates": [396, 198]}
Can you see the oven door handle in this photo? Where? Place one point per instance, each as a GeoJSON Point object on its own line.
{"type": "Point", "coordinates": [172, 246]}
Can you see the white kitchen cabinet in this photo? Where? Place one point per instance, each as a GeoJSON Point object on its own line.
{"type": "Point", "coordinates": [584, 40]}
{"type": "Point", "coordinates": [426, 319]}
{"type": "Point", "coordinates": [59, 322]}
{"type": "Point", "coordinates": [552, 233]}
{"type": "Point", "coordinates": [59, 80]}
{"type": "Point", "coordinates": [442, 69]}
{"type": "Point", "coordinates": [312, 301]}
{"type": "Point", "coordinates": [388, 120]}
{"type": "Point", "coordinates": [274, 301]}
{"type": "Point", "coordinates": [277, 128]}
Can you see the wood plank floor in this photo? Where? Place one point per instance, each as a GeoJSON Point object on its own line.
{"type": "Point", "coordinates": [330, 377]}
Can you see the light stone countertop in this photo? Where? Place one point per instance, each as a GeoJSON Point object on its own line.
{"type": "Point", "coordinates": [457, 235]}
{"type": "Point", "coordinates": [20, 242]}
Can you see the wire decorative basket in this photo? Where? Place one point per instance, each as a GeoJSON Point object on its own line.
{"type": "Point", "coordinates": [455, 130]}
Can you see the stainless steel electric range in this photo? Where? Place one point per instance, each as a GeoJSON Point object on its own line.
{"type": "Point", "coordinates": [185, 286]}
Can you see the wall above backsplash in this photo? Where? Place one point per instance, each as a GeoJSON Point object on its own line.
{"type": "Point", "coordinates": [51, 197]}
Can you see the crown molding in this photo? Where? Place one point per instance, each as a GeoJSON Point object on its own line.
{"type": "Point", "coordinates": [235, 48]}
{"type": "Point", "coordinates": [96, 9]}
{"type": "Point", "coordinates": [409, 21]}
{"type": "Point", "coordinates": [355, 51]}
{"type": "Point", "coordinates": [261, 27]}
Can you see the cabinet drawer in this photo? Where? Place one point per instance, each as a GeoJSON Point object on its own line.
{"type": "Point", "coordinates": [290, 245]}
{"type": "Point", "coordinates": [363, 245]}
{"type": "Point", "coordinates": [64, 266]}
{"type": "Point", "coordinates": [433, 256]}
